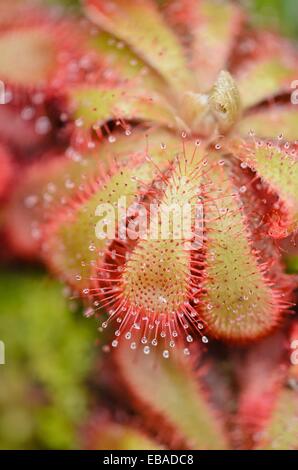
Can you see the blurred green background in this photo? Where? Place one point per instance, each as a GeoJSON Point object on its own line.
{"type": "Point", "coordinates": [279, 14]}
{"type": "Point", "coordinates": [49, 352]}
{"type": "Point", "coordinates": [50, 347]}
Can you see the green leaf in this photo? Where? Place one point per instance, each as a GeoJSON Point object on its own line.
{"type": "Point", "coordinates": [214, 29]}
{"type": "Point", "coordinates": [71, 245]}
{"type": "Point", "coordinates": [282, 430]}
{"type": "Point", "coordinates": [95, 106]}
{"type": "Point", "coordinates": [103, 433]}
{"type": "Point", "coordinates": [260, 373]}
{"type": "Point", "coordinates": [168, 394]}
{"type": "Point", "coordinates": [126, 64]}
{"type": "Point", "coordinates": [239, 304]}
{"type": "Point", "coordinates": [142, 27]}
{"type": "Point", "coordinates": [271, 123]}
{"type": "Point", "coordinates": [45, 185]}
{"type": "Point", "coordinates": [277, 165]}
{"type": "Point", "coordinates": [268, 70]}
